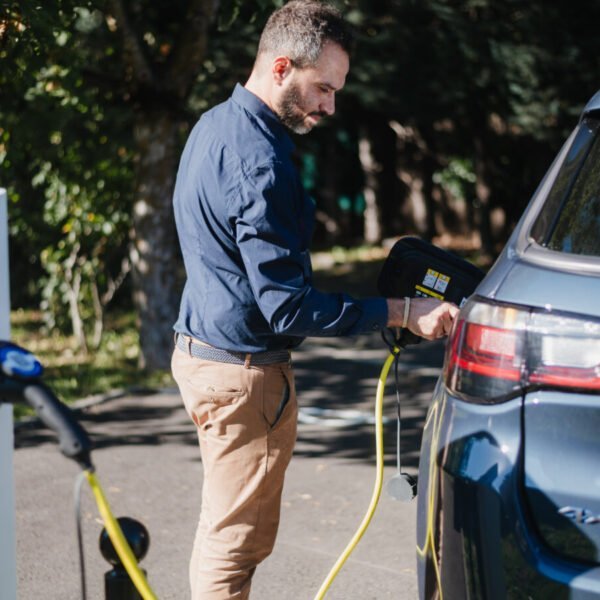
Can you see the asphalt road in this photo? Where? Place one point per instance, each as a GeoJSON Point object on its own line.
{"type": "Point", "coordinates": [148, 463]}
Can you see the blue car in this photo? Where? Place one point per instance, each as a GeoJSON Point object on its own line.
{"type": "Point", "coordinates": [509, 473]}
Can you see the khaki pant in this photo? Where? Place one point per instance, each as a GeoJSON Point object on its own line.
{"type": "Point", "coordinates": [245, 417]}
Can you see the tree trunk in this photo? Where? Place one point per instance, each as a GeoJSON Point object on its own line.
{"type": "Point", "coordinates": [154, 248]}
{"type": "Point", "coordinates": [371, 168]}
{"type": "Point", "coordinates": [72, 271]}
{"type": "Point", "coordinates": [98, 317]}
{"type": "Point", "coordinates": [74, 287]}
{"type": "Point", "coordinates": [482, 193]}
{"type": "Point", "coordinates": [428, 168]}
{"type": "Point", "coordinates": [414, 167]}
{"type": "Point", "coordinates": [154, 254]}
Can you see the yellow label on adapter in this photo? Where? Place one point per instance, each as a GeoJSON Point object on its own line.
{"type": "Point", "coordinates": [442, 283]}
{"type": "Point", "coordinates": [427, 292]}
{"type": "Point", "coordinates": [435, 281]}
{"type": "Point", "coordinates": [430, 278]}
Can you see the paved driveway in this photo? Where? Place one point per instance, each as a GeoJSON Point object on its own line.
{"type": "Point", "coordinates": [148, 464]}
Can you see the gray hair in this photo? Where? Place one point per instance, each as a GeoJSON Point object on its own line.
{"type": "Point", "coordinates": [300, 29]}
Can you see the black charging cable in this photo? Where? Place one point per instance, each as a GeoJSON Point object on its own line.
{"type": "Point", "coordinates": [393, 339]}
{"type": "Point", "coordinates": [78, 484]}
{"type": "Point", "coordinates": [401, 486]}
{"type": "Point", "coordinates": [398, 409]}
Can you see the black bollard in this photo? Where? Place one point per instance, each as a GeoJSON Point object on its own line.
{"type": "Point", "coordinates": [117, 583]}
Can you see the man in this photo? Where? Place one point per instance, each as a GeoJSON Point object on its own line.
{"type": "Point", "coordinates": [244, 224]}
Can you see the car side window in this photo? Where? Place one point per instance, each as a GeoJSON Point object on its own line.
{"type": "Point", "coordinates": [570, 219]}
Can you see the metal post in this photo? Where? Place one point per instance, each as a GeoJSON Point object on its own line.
{"type": "Point", "coordinates": [8, 561]}
{"type": "Point", "coordinates": [117, 583]}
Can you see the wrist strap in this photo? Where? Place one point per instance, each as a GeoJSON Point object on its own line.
{"type": "Point", "coordinates": [406, 312]}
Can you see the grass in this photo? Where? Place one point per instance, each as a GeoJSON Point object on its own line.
{"type": "Point", "coordinates": [71, 373]}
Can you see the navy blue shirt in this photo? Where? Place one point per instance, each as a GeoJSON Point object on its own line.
{"type": "Point", "coordinates": [244, 223]}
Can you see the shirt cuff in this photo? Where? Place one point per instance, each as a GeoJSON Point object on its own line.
{"type": "Point", "coordinates": [375, 314]}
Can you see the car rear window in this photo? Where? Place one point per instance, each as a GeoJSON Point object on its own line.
{"type": "Point", "coordinates": [570, 219]}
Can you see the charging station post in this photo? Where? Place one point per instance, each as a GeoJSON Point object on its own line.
{"type": "Point", "coordinates": [8, 562]}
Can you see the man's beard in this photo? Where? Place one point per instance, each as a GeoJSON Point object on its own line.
{"type": "Point", "coordinates": [290, 111]}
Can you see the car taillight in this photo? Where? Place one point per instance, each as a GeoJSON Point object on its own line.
{"type": "Point", "coordinates": [495, 351]}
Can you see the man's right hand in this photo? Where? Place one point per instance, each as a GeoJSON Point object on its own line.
{"type": "Point", "coordinates": [428, 318]}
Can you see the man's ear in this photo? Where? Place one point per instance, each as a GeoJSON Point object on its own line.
{"type": "Point", "coordinates": [281, 68]}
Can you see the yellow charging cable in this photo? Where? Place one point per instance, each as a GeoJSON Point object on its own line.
{"type": "Point", "coordinates": [118, 540]}
{"type": "Point", "coordinates": [429, 545]}
{"type": "Point", "coordinates": [137, 576]}
{"type": "Point", "coordinates": [378, 480]}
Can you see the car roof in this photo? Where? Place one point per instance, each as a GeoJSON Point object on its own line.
{"type": "Point", "coordinates": [593, 104]}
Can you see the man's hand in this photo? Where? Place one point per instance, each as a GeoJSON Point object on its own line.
{"type": "Point", "coordinates": [428, 317]}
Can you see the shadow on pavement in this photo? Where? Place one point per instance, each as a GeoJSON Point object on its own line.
{"type": "Point", "coordinates": [144, 420]}
{"type": "Point", "coordinates": [336, 375]}
{"type": "Point", "coordinates": [345, 378]}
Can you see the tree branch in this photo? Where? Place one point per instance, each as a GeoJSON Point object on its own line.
{"type": "Point", "coordinates": [115, 284]}
{"type": "Point", "coordinates": [134, 56]}
{"type": "Point", "coordinates": [189, 53]}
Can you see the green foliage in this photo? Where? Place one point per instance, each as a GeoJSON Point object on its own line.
{"type": "Point", "coordinates": [497, 84]}
{"type": "Point", "coordinates": [485, 87]}
{"type": "Point", "coordinates": [73, 375]}
{"type": "Point", "coordinates": [69, 168]}
{"type": "Point", "coordinates": [67, 153]}
{"type": "Point", "coordinates": [94, 235]}
{"type": "Point", "coordinates": [457, 177]}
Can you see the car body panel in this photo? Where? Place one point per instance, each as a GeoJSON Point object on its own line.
{"type": "Point", "coordinates": [509, 492]}
{"type": "Point", "coordinates": [530, 285]}
{"type": "Point", "coordinates": [561, 470]}
{"type": "Point", "coordinates": [474, 535]}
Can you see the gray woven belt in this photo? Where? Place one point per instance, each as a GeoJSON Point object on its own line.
{"type": "Point", "coordinates": [233, 358]}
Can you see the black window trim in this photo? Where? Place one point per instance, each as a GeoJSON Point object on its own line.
{"type": "Point", "coordinates": [531, 251]}
{"type": "Point", "coordinates": [574, 177]}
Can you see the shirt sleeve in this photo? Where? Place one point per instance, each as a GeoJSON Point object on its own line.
{"type": "Point", "coordinates": [270, 238]}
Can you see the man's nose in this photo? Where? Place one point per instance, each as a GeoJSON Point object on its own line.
{"type": "Point", "coordinates": [328, 105]}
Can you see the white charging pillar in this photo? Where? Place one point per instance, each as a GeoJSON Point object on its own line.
{"type": "Point", "coordinates": [8, 562]}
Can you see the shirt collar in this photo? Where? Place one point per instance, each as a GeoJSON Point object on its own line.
{"type": "Point", "coordinates": [254, 105]}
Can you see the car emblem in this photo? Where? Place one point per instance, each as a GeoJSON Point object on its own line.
{"type": "Point", "coordinates": [583, 516]}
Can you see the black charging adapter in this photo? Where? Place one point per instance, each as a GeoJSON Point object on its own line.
{"type": "Point", "coordinates": [415, 268]}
